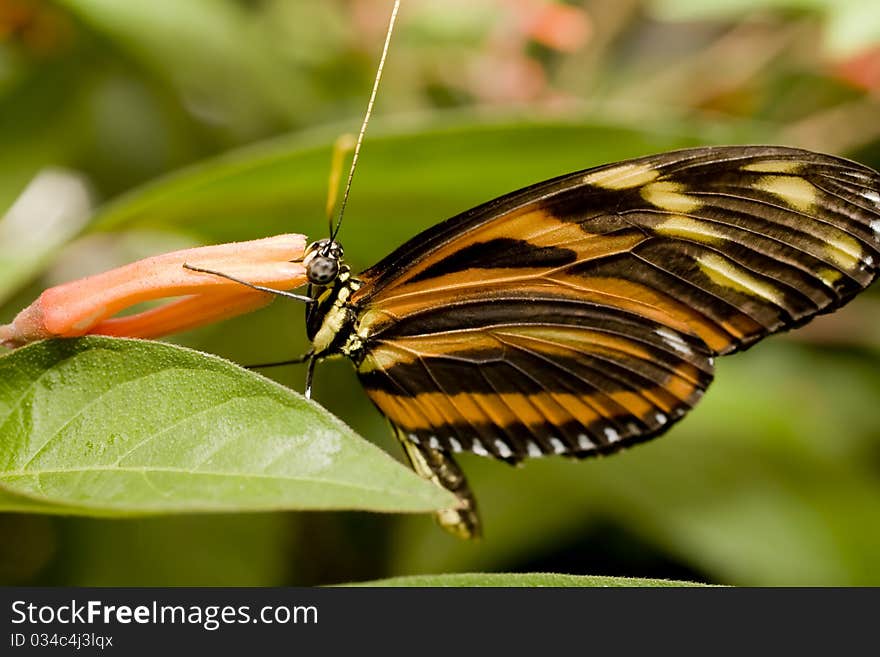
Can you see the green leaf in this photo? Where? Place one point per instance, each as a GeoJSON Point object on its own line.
{"type": "Point", "coordinates": [99, 426]}
{"type": "Point", "coordinates": [520, 579]}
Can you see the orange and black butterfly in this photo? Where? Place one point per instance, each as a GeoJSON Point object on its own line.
{"type": "Point", "coordinates": [583, 314]}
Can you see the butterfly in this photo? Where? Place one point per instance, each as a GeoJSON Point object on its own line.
{"type": "Point", "coordinates": [582, 315]}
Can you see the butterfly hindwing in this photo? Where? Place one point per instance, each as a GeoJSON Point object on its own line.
{"type": "Point", "coordinates": [581, 314]}
{"type": "Point", "coordinates": [531, 374]}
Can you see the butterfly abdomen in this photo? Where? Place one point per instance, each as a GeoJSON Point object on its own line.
{"type": "Point", "coordinates": [439, 466]}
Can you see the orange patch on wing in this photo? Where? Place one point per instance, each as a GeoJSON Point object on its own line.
{"type": "Point", "coordinates": [537, 227]}
{"type": "Point", "coordinates": [535, 409]}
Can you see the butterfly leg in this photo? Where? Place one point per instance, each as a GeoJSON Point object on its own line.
{"type": "Point", "coordinates": [310, 375]}
{"type": "Point", "coordinates": [299, 360]}
{"type": "Point", "coordinates": [439, 466]}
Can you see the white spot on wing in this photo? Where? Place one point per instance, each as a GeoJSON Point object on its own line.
{"type": "Point", "coordinates": [456, 446]}
{"type": "Point", "coordinates": [533, 449]}
{"type": "Point", "coordinates": [661, 419]}
{"type": "Point", "coordinates": [611, 435]}
{"type": "Point", "coordinates": [674, 340]}
{"type": "Point", "coordinates": [558, 446]}
{"type": "Point", "coordinates": [875, 226]}
{"type": "Point", "coordinates": [585, 443]}
{"type": "Point", "coordinates": [844, 250]}
{"type": "Point", "coordinates": [413, 437]}
{"type": "Point", "coordinates": [503, 449]}
{"type": "Point", "coordinates": [857, 175]}
{"type": "Point", "coordinates": [433, 442]}
{"type": "Point", "coordinates": [872, 196]}
{"type": "Point", "coordinates": [477, 448]}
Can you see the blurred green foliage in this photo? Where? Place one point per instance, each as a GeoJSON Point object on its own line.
{"type": "Point", "coordinates": [211, 120]}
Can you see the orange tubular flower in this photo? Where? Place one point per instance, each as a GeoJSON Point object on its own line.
{"type": "Point", "coordinates": [87, 306]}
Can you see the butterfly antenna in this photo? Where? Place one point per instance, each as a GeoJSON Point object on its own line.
{"type": "Point", "coordinates": [360, 139]}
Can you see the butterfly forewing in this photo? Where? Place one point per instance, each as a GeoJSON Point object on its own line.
{"type": "Point", "coordinates": [582, 314]}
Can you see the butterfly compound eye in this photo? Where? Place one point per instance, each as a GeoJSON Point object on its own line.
{"type": "Point", "coordinates": [322, 261]}
{"type": "Point", "coordinates": [322, 270]}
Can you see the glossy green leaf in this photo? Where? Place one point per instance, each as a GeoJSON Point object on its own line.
{"type": "Point", "coordinates": [117, 427]}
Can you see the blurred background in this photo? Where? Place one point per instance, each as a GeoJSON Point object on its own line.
{"type": "Point", "coordinates": [132, 128]}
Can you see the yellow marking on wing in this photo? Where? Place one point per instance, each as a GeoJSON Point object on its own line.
{"type": "Point", "coordinates": [793, 190]}
{"type": "Point", "coordinates": [844, 250]}
{"type": "Point", "coordinates": [829, 276]}
{"type": "Point", "coordinates": [691, 229]}
{"type": "Point", "coordinates": [725, 273]}
{"type": "Point", "coordinates": [670, 196]}
{"type": "Point", "coordinates": [625, 176]}
{"type": "Point", "coordinates": [773, 166]}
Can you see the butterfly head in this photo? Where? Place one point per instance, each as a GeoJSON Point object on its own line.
{"type": "Point", "coordinates": [322, 261]}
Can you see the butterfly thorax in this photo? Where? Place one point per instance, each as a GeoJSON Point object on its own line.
{"type": "Point", "coordinates": [330, 320]}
